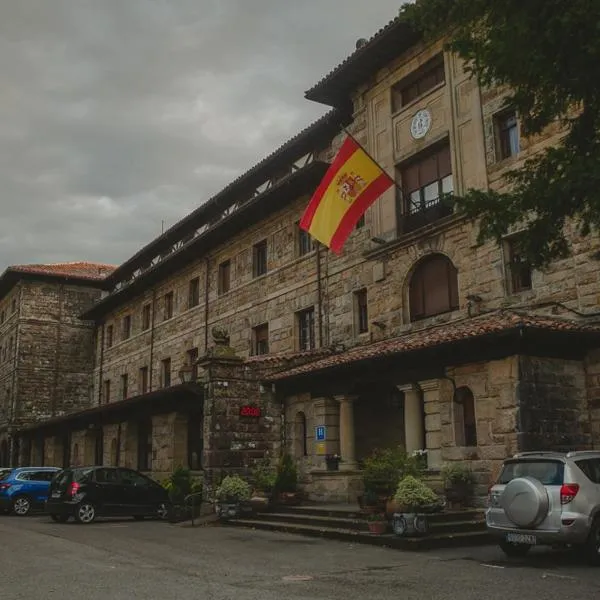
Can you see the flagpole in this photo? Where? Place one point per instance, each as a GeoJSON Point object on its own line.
{"type": "Point", "coordinates": [372, 158]}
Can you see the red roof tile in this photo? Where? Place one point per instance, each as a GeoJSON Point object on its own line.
{"type": "Point", "coordinates": [270, 360]}
{"type": "Point", "coordinates": [78, 270]}
{"type": "Point", "coordinates": [490, 323]}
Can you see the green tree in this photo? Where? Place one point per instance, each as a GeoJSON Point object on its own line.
{"type": "Point", "coordinates": [548, 53]}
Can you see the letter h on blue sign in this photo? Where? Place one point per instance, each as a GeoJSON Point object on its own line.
{"type": "Point", "coordinates": [320, 433]}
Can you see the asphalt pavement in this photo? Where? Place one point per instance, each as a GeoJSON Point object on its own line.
{"type": "Point", "coordinates": [119, 560]}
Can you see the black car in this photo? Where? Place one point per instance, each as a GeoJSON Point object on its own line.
{"type": "Point", "coordinates": [89, 492]}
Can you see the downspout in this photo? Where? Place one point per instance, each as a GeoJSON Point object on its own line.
{"type": "Point", "coordinates": [206, 282]}
{"type": "Point", "coordinates": [151, 366]}
{"type": "Point", "coordinates": [319, 294]}
{"type": "Point", "coordinates": [61, 294]}
{"type": "Point", "coordinates": [101, 369]}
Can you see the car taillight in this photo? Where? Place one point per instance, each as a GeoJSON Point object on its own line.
{"type": "Point", "coordinates": [568, 491]}
{"type": "Point", "coordinates": [4, 487]}
{"type": "Point", "coordinates": [73, 489]}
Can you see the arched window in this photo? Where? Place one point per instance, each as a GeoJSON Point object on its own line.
{"type": "Point", "coordinates": [465, 423]}
{"type": "Point", "coordinates": [113, 452]}
{"type": "Point", "coordinates": [433, 287]}
{"type": "Point", "coordinates": [301, 448]}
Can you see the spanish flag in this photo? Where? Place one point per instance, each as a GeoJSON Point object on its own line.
{"type": "Point", "coordinates": [353, 182]}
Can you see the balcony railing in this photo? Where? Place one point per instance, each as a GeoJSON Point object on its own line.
{"type": "Point", "coordinates": [424, 214]}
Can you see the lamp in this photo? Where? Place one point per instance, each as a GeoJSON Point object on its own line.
{"type": "Point", "coordinates": [186, 374]}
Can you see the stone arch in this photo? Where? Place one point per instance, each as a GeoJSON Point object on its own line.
{"type": "Point", "coordinates": [465, 420]}
{"type": "Point", "coordinates": [300, 435]}
{"type": "Point", "coordinates": [432, 287]}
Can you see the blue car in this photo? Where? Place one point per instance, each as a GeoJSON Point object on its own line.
{"type": "Point", "coordinates": [25, 488]}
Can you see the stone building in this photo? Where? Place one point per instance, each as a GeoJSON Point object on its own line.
{"type": "Point", "coordinates": [415, 335]}
{"type": "Point", "coordinates": [45, 349]}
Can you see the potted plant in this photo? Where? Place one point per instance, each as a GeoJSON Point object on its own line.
{"type": "Point", "coordinates": [414, 500]}
{"type": "Point", "coordinates": [458, 482]}
{"type": "Point", "coordinates": [264, 476]}
{"type": "Point", "coordinates": [377, 523]}
{"type": "Point", "coordinates": [185, 494]}
{"type": "Point", "coordinates": [286, 482]}
{"type": "Point", "coordinates": [231, 495]}
{"type": "Point", "coordinates": [333, 462]}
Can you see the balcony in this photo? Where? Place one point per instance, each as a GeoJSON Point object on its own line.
{"type": "Point", "coordinates": [423, 214]}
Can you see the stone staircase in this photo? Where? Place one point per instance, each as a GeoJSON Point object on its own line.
{"type": "Point", "coordinates": [346, 523]}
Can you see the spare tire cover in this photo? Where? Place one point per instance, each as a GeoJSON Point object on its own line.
{"type": "Point", "coordinates": [525, 501]}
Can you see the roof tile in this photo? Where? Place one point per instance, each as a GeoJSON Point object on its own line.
{"type": "Point", "coordinates": [80, 270]}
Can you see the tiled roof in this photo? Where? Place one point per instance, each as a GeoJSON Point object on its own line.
{"type": "Point", "coordinates": [270, 360]}
{"type": "Point", "coordinates": [78, 270]}
{"type": "Point", "coordinates": [495, 322]}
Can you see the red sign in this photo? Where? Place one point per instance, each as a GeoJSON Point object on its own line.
{"type": "Point", "coordinates": [249, 411]}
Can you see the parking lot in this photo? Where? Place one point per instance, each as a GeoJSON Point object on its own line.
{"type": "Point", "coordinates": [121, 559]}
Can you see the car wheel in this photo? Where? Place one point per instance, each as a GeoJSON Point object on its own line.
{"type": "Point", "coordinates": [162, 511]}
{"type": "Point", "coordinates": [592, 546]}
{"type": "Point", "coordinates": [21, 506]}
{"type": "Point", "coordinates": [60, 518]}
{"type": "Point", "coordinates": [85, 513]}
{"type": "Point", "coordinates": [514, 550]}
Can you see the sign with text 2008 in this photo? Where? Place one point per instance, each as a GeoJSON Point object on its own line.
{"type": "Point", "coordinates": [250, 411]}
{"type": "Point", "coordinates": [320, 433]}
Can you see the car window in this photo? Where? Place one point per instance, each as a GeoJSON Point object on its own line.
{"type": "Point", "coordinates": [42, 475]}
{"type": "Point", "coordinates": [548, 472]}
{"type": "Point", "coordinates": [81, 475]}
{"type": "Point", "coordinates": [129, 477]}
{"type": "Point", "coordinates": [591, 468]}
{"type": "Point", "coordinates": [25, 476]}
{"type": "Point", "coordinates": [106, 476]}
{"type": "Point", "coordinates": [5, 474]}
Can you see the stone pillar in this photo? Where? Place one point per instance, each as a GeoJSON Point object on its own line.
{"type": "Point", "coordinates": [326, 412]}
{"type": "Point", "coordinates": [414, 425]}
{"type": "Point", "coordinates": [347, 432]}
{"type": "Point", "coordinates": [433, 424]}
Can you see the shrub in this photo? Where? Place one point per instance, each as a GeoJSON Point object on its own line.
{"type": "Point", "coordinates": [233, 489]}
{"type": "Point", "coordinates": [181, 483]}
{"type": "Point", "coordinates": [264, 476]}
{"type": "Point", "coordinates": [413, 494]}
{"type": "Point", "coordinates": [287, 475]}
{"type": "Point", "coordinates": [457, 473]}
{"type": "Point", "coordinates": [385, 468]}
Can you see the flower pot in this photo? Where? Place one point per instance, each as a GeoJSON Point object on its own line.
{"type": "Point", "coordinates": [391, 507]}
{"type": "Point", "coordinates": [410, 524]}
{"type": "Point", "coordinates": [228, 510]}
{"type": "Point", "coordinates": [377, 527]}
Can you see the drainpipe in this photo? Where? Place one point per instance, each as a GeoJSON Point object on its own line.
{"type": "Point", "coordinates": [319, 294]}
{"type": "Point", "coordinates": [61, 294]}
{"type": "Point", "coordinates": [206, 282]}
{"type": "Point", "coordinates": [151, 366]}
{"type": "Point", "coordinates": [101, 368]}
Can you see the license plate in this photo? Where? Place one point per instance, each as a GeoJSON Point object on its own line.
{"type": "Point", "coordinates": [56, 494]}
{"type": "Point", "coordinates": [521, 538]}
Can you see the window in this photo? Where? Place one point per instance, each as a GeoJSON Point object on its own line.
{"type": "Point", "coordinates": [418, 83]}
{"type": "Point", "coordinates": [433, 287]}
{"type": "Point", "coordinates": [260, 340]}
{"type": "Point", "coordinates": [518, 268]}
{"type": "Point", "coordinates": [168, 306]}
{"type": "Point", "coordinates": [425, 180]}
{"type": "Point", "coordinates": [301, 436]}
{"type": "Point", "coordinates": [548, 472]}
{"type": "Point", "coordinates": [106, 476]}
{"type": "Point", "coordinates": [194, 292]}
{"type": "Point", "coordinates": [192, 360]}
{"type": "Point", "coordinates": [165, 372]}
{"type": "Point", "coordinates": [99, 447]}
{"type": "Point", "coordinates": [195, 441]}
{"type": "Point", "coordinates": [306, 329]}
{"type": "Point", "coordinates": [361, 311]}
{"type": "Point", "coordinates": [126, 331]}
{"type": "Point", "coordinates": [465, 424]}
{"type": "Point", "coordinates": [129, 477]}
{"type": "Point", "coordinates": [124, 386]}
{"type": "Point", "coordinates": [591, 469]}
{"type": "Point", "coordinates": [259, 259]}
{"type": "Point", "coordinates": [305, 242]}
{"type": "Point", "coordinates": [145, 445]}
{"type": "Point", "coordinates": [507, 134]}
{"type": "Point", "coordinates": [13, 305]}
{"type": "Point", "coordinates": [143, 381]}
{"type": "Point", "coordinates": [146, 317]}
{"type": "Point", "coordinates": [2, 317]}
{"type": "Point", "coordinates": [106, 395]}
{"type": "Point", "coordinates": [109, 336]}
{"type": "Point", "coordinates": [224, 283]}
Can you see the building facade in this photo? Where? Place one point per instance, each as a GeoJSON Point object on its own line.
{"type": "Point", "coordinates": [233, 336]}
{"type": "Point", "coordinates": [45, 348]}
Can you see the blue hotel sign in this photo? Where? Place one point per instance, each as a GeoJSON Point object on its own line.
{"type": "Point", "coordinates": [320, 433]}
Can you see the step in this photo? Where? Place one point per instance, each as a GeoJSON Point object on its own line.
{"type": "Point", "coordinates": [387, 540]}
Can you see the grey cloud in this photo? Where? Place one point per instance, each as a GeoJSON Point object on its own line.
{"type": "Point", "coordinates": [117, 115]}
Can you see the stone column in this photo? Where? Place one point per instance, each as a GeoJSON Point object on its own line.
{"type": "Point", "coordinates": [414, 426]}
{"type": "Point", "coordinates": [347, 432]}
{"type": "Point", "coordinates": [433, 423]}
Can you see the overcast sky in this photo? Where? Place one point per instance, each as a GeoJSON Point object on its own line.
{"type": "Point", "coordinates": [116, 115]}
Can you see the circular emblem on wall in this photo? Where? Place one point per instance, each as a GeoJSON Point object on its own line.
{"type": "Point", "coordinates": [421, 124]}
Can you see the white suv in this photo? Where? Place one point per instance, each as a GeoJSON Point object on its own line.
{"type": "Point", "coordinates": [547, 498]}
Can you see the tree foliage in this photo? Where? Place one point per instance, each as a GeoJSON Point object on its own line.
{"type": "Point", "coordinates": [548, 53]}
